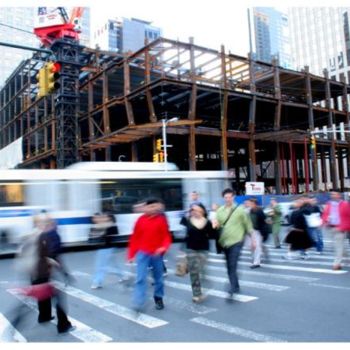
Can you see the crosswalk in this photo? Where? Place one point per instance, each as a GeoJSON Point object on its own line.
{"type": "Point", "coordinates": [276, 275]}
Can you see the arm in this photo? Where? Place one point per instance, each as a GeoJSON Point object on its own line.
{"type": "Point", "coordinates": [134, 239]}
{"type": "Point", "coordinates": [166, 237]}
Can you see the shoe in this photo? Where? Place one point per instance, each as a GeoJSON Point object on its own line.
{"type": "Point", "coordinates": [337, 267]}
{"type": "Point", "coordinates": [304, 256]}
{"type": "Point", "coordinates": [67, 329]}
{"type": "Point", "coordinates": [198, 299]}
{"type": "Point", "coordinates": [278, 247]}
{"type": "Point", "coordinates": [290, 257]}
{"type": "Point", "coordinates": [255, 266]}
{"type": "Point", "coordinates": [159, 303]}
{"type": "Point", "coordinates": [165, 274]}
{"type": "Point", "coordinates": [123, 279]}
{"type": "Point", "coordinates": [95, 286]}
{"type": "Point", "coordinates": [43, 320]}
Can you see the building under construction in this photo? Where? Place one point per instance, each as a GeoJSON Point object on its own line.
{"type": "Point", "coordinates": [230, 112]}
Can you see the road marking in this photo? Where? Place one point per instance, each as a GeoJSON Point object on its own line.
{"type": "Point", "coordinates": [266, 286]}
{"type": "Point", "coordinates": [8, 333]}
{"type": "Point", "coordinates": [292, 268]}
{"type": "Point", "coordinates": [329, 286]}
{"type": "Point", "coordinates": [82, 331]}
{"type": "Point", "coordinates": [236, 330]}
{"type": "Point", "coordinates": [119, 310]}
{"type": "Point", "coordinates": [180, 304]}
{"type": "Point", "coordinates": [267, 274]}
{"type": "Point", "coordinates": [216, 293]}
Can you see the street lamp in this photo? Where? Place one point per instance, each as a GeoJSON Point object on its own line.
{"type": "Point", "coordinates": [165, 146]}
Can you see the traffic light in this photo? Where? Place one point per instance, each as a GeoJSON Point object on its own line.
{"type": "Point", "coordinates": [42, 82]}
{"type": "Point", "coordinates": [161, 157]}
{"type": "Point", "coordinates": [52, 76]}
{"type": "Point", "coordinates": [159, 145]}
{"type": "Point", "coordinates": [156, 157]}
{"type": "Point", "coordinates": [313, 142]}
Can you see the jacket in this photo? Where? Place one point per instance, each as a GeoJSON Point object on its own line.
{"type": "Point", "coordinates": [344, 215]}
{"type": "Point", "coordinates": [150, 233]}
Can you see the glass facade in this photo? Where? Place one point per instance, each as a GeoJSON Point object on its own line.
{"type": "Point", "coordinates": [320, 39]}
{"type": "Point", "coordinates": [271, 36]}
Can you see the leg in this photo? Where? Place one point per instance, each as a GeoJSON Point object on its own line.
{"type": "Point", "coordinates": [194, 268]}
{"type": "Point", "coordinates": [339, 238]}
{"type": "Point", "coordinates": [158, 270]}
{"type": "Point", "coordinates": [258, 248]}
{"type": "Point", "coordinates": [139, 295]}
{"type": "Point", "coordinates": [275, 234]}
{"type": "Point", "coordinates": [102, 257]}
{"type": "Point", "coordinates": [63, 324]}
{"type": "Point", "coordinates": [232, 254]}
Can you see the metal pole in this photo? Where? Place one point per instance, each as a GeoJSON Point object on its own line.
{"type": "Point", "coordinates": [164, 122]}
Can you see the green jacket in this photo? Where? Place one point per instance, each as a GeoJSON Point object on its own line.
{"type": "Point", "coordinates": [238, 225]}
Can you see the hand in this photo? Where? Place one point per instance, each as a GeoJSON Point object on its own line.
{"type": "Point", "coordinates": [130, 261]}
{"type": "Point", "coordinates": [160, 251]}
{"type": "Point", "coordinates": [215, 223]}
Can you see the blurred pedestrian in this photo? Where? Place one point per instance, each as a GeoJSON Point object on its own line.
{"type": "Point", "coordinates": [260, 232]}
{"type": "Point", "coordinates": [298, 237]}
{"type": "Point", "coordinates": [46, 263]}
{"type": "Point", "coordinates": [106, 259]}
{"type": "Point", "coordinates": [234, 223]}
{"type": "Point", "coordinates": [149, 241]}
{"type": "Point", "coordinates": [198, 232]}
{"type": "Point", "coordinates": [194, 198]}
{"type": "Point", "coordinates": [314, 223]}
{"type": "Point", "coordinates": [275, 214]}
{"type": "Point", "coordinates": [336, 216]}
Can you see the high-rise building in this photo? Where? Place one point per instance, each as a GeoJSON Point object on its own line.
{"type": "Point", "coordinates": [85, 35]}
{"type": "Point", "coordinates": [16, 27]}
{"type": "Point", "coordinates": [271, 36]}
{"type": "Point", "coordinates": [320, 39]}
{"type": "Point", "coordinates": [122, 34]}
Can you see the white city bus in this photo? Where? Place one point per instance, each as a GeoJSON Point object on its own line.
{"type": "Point", "coordinates": [71, 196]}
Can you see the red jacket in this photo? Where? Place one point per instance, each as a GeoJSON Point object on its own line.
{"type": "Point", "coordinates": [344, 215]}
{"type": "Point", "coordinates": [150, 233]}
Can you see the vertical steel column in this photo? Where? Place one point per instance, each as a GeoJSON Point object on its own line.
{"type": "Point", "coordinates": [223, 112]}
{"type": "Point", "coordinates": [306, 166]}
{"type": "Point", "coordinates": [251, 127]}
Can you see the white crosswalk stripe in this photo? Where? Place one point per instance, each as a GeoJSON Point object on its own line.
{"type": "Point", "coordinates": [8, 333]}
{"type": "Point", "coordinates": [244, 333]}
{"type": "Point", "coordinates": [83, 332]}
{"type": "Point", "coordinates": [118, 310]}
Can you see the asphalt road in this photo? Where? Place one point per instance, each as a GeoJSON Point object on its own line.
{"type": "Point", "coordinates": [283, 301]}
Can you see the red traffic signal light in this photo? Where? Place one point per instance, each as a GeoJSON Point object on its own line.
{"type": "Point", "coordinates": [52, 76]}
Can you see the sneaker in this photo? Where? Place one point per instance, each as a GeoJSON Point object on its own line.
{"type": "Point", "coordinates": [304, 256]}
{"type": "Point", "coordinates": [290, 256]}
{"type": "Point", "coordinates": [159, 303]}
{"type": "Point", "coordinates": [67, 329]}
{"type": "Point", "coordinates": [255, 266]}
{"type": "Point", "coordinates": [198, 299]}
{"type": "Point", "coordinates": [165, 274]}
{"type": "Point", "coordinates": [337, 267]}
{"type": "Point", "coordinates": [95, 286]}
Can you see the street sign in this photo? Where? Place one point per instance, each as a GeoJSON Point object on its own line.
{"type": "Point", "coordinates": [254, 188]}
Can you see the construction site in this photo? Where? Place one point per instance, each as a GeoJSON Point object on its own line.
{"type": "Point", "coordinates": [262, 122]}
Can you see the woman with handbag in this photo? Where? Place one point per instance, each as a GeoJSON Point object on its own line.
{"type": "Point", "coordinates": [198, 232]}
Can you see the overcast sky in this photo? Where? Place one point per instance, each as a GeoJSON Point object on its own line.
{"type": "Point", "coordinates": [212, 23]}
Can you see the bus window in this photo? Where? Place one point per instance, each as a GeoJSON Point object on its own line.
{"type": "Point", "coordinates": [119, 196]}
{"type": "Point", "coordinates": [11, 194]}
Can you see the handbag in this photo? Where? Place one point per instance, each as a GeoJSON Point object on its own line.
{"type": "Point", "coordinates": [181, 266]}
{"type": "Point", "coordinates": [313, 220]}
{"type": "Point", "coordinates": [39, 292]}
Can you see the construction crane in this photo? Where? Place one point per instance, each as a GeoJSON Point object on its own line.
{"type": "Point", "coordinates": [55, 24]}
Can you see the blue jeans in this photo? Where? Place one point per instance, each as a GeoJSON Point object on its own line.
{"type": "Point", "coordinates": [316, 235]}
{"type": "Point", "coordinates": [143, 261]}
{"type": "Point", "coordinates": [105, 265]}
{"type": "Point", "coordinates": [232, 255]}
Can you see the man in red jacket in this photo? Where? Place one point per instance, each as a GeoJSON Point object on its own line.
{"type": "Point", "coordinates": [336, 215]}
{"type": "Point", "coordinates": [149, 241]}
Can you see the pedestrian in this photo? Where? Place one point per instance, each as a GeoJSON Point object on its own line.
{"type": "Point", "coordinates": [149, 241]}
{"type": "Point", "coordinates": [260, 232]}
{"type": "Point", "coordinates": [314, 223]}
{"type": "Point", "coordinates": [234, 223]}
{"type": "Point", "coordinates": [298, 237]}
{"type": "Point", "coordinates": [275, 214]}
{"type": "Point", "coordinates": [336, 216]}
{"type": "Point", "coordinates": [194, 198]}
{"type": "Point", "coordinates": [106, 260]}
{"type": "Point", "coordinates": [198, 232]}
{"type": "Point", "coordinates": [49, 261]}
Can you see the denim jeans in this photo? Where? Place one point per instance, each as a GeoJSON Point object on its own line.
{"type": "Point", "coordinates": [232, 254]}
{"type": "Point", "coordinates": [105, 265]}
{"type": "Point", "coordinates": [316, 235]}
{"type": "Point", "coordinates": [143, 261]}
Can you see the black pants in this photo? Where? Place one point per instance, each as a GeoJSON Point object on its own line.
{"type": "Point", "coordinates": [232, 254]}
{"type": "Point", "coordinates": [45, 309]}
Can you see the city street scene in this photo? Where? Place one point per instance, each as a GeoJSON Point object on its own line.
{"type": "Point", "coordinates": [168, 176]}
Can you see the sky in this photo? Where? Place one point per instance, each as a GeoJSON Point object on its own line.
{"type": "Point", "coordinates": [211, 23]}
